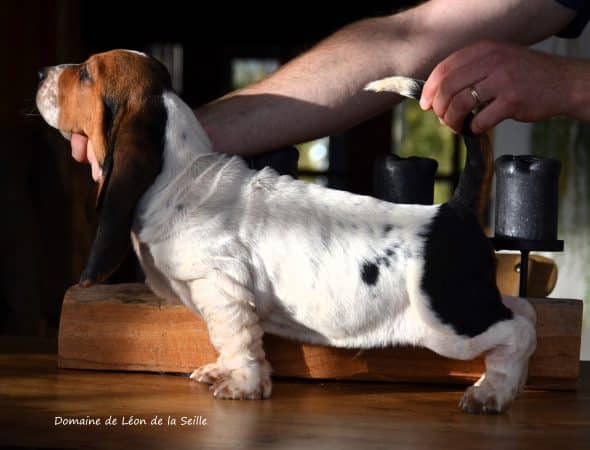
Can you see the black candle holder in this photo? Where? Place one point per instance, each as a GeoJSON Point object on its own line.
{"type": "Point", "coordinates": [526, 208]}
{"type": "Point", "coordinates": [404, 180]}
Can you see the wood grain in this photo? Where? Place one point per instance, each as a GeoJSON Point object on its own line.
{"type": "Point", "coordinates": [300, 414]}
{"type": "Point", "coordinates": [126, 327]}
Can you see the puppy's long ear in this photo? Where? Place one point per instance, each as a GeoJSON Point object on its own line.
{"type": "Point", "coordinates": [133, 159]}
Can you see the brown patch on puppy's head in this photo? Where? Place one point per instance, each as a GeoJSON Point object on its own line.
{"type": "Point", "coordinates": [115, 98]}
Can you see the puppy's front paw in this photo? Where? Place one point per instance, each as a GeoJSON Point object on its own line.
{"type": "Point", "coordinates": [209, 373]}
{"type": "Point", "coordinates": [251, 383]}
{"type": "Point", "coordinates": [481, 400]}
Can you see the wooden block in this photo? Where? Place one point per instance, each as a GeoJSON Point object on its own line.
{"type": "Point", "coordinates": [126, 327]}
{"type": "Point", "coordinates": [542, 274]}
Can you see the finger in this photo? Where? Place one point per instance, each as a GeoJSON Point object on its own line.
{"type": "Point", "coordinates": [461, 78]}
{"type": "Point", "coordinates": [95, 167]}
{"type": "Point", "coordinates": [90, 151]}
{"type": "Point", "coordinates": [467, 56]}
{"type": "Point", "coordinates": [461, 105]}
{"type": "Point", "coordinates": [490, 116]}
{"type": "Point", "coordinates": [78, 143]}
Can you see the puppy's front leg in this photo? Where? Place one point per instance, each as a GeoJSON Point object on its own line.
{"type": "Point", "coordinates": [241, 371]}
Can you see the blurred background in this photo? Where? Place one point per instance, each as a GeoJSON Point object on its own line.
{"type": "Point", "coordinates": [48, 224]}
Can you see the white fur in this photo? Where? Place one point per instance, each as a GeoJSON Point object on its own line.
{"type": "Point", "coordinates": [47, 96]}
{"type": "Point", "coordinates": [136, 52]}
{"type": "Point", "coordinates": [291, 244]}
{"type": "Point", "coordinates": [408, 87]}
{"type": "Point", "coordinates": [256, 252]}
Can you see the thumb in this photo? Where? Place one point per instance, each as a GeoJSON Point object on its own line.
{"type": "Point", "coordinates": [78, 143]}
{"type": "Point", "coordinates": [91, 157]}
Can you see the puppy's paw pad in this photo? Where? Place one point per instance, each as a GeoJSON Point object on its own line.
{"type": "Point", "coordinates": [209, 373]}
{"type": "Point", "coordinates": [478, 400]}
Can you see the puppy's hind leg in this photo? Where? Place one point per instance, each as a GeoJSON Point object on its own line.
{"type": "Point", "coordinates": [508, 345]}
{"type": "Point", "coordinates": [241, 371]}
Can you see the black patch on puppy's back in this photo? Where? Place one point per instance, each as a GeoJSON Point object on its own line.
{"type": "Point", "coordinates": [460, 273]}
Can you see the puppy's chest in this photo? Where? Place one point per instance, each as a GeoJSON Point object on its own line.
{"type": "Point", "coordinates": [165, 264]}
{"type": "Point", "coordinates": [180, 259]}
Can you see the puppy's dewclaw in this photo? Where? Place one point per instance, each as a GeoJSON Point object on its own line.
{"type": "Point", "coordinates": [405, 86]}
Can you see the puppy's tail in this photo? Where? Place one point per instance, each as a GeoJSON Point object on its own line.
{"type": "Point", "coordinates": [473, 190]}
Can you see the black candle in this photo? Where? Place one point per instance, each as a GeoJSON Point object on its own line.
{"type": "Point", "coordinates": [527, 197]}
{"type": "Point", "coordinates": [404, 180]}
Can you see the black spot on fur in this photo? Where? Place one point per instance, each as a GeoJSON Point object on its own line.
{"type": "Point", "coordinates": [183, 136]}
{"type": "Point", "coordinates": [179, 207]}
{"type": "Point", "coordinates": [382, 260]}
{"type": "Point", "coordinates": [387, 228]}
{"type": "Point", "coordinates": [369, 273]}
{"type": "Point", "coordinates": [460, 274]}
{"type": "Point", "coordinates": [397, 250]}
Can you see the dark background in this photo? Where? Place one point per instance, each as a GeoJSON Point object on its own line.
{"type": "Point", "coordinates": [47, 225]}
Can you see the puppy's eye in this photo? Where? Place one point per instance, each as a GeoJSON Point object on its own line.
{"type": "Point", "coordinates": [84, 75]}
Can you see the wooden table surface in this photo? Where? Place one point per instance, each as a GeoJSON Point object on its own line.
{"type": "Point", "coordinates": [300, 415]}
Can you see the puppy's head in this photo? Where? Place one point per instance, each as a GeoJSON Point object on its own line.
{"type": "Point", "coordinates": [114, 98]}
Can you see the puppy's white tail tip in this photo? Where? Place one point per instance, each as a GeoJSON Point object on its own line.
{"type": "Point", "coordinates": [408, 87]}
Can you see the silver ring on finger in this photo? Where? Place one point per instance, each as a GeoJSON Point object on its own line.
{"type": "Point", "coordinates": [479, 104]}
{"type": "Point", "coordinates": [475, 95]}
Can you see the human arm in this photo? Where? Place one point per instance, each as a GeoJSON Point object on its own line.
{"type": "Point", "coordinates": [320, 92]}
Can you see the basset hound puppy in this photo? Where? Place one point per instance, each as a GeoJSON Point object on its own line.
{"type": "Point", "coordinates": [254, 252]}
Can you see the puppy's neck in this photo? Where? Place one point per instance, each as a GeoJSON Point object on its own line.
{"type": "Point", "coordinates": [191, 173]}
{"type": "Point", "coordinates": [185, 138]}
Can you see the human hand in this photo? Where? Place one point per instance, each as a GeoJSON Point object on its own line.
{"type": "Point", "coordinates": [510, 81]}
{"type": "Point", "coordinates": [83, 152]}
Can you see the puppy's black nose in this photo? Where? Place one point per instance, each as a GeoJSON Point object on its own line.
{"type": "Point", "coordinates": [42, 73]}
